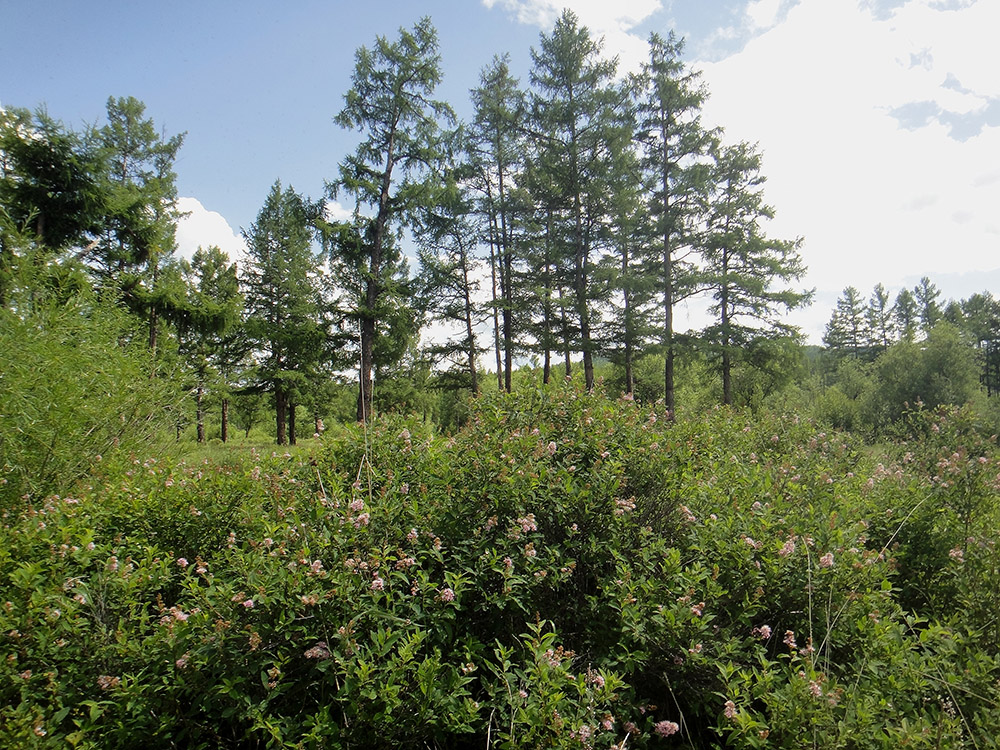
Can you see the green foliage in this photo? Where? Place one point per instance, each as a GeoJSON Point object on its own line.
{"type": "Point", "coordinates": [941, 370]}
{"type": "Point", "coordinates": [71, 395]}
{"type": "Point", "coordinates": [741, 265]}
{"type": "Point", "coordinates": [285, 321]}
{"type": "Point", "coordinates": [565, 571]}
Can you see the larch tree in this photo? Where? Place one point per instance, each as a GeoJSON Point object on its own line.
{"type": "Point", "coordinates": [926, 295]}
{"type": "Point", "coordinates": [496, 147]}
{"type": "Point", "coordinates": [741, 265]}
{"type": "Point", "coordinates": [879, 319]}
{"type": "Point", "coordinates": [906, 314]}
{"type": "Point", "coordinates": [629, 270]}
{"type": "Point", "coordinates": [674, 146]}
{"type": "Point", "coordinates": [204, 330]}
{"type": "Point", "coordinates": [286, 319]}
{"type": "Point", "coordinates": [847, 329]}
{"type": "Point", "coordinates": [142, 208]}
{"type": "Point", "coordinates": [449, 283]}
{"type": "Point", "coordinates": [581, 123]}
{"type": "Point", "coordinates": [394, 172]}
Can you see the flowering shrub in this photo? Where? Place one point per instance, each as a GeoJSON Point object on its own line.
{"type": "Point", "coordinates": [567, 571]}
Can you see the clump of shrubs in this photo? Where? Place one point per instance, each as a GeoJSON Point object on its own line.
{"type": "Point", "coordinates": [566, 571]}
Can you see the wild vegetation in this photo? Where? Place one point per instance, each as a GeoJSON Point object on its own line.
{"type": "Point", "coordinates": [567, 570]}
{"type": "Point", "coordinates": [639, 537]}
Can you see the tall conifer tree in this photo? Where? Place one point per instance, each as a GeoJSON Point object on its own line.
{"type": "Point", "coordinates": [742, 265]}
{"type": "Point", "coordinates": [674, 144]}
{"type": "Point", "coordinates": [395, 170]}
{"type": "Point", "coordinates": [581, 123]}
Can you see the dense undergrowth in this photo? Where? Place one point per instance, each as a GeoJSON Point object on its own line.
{"type": "Point", "coordinates": [566, 571]}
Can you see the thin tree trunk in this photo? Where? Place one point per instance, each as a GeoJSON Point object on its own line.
{"type": "Point", "coordinates": [225, 420]}
{"type": "Point", "coordinates": [506, 281]}
{"type": "Point", "coordinates": [199, 412]}
{"type": "Point", "coordinates": [547, 316]}
{"type": "Point", "coordinates": [668, 273]}
{"type": "Point", "coordinates": [291, 423]}
{"type": "Point", "coordinates": [496, 319]}
{"type": "Point", "coordinates": [280, 406]}
{"type": "Point", "coordinates": [470, 336]}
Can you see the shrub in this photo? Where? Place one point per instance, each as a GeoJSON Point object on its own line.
{"type": "Point", "coordinates": [565, 571]}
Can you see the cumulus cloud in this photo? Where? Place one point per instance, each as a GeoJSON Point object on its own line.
{"type": "Point", "coordinates": [879, 121]}
{"type": "Point", "coordinates": [203, 228]}
{"type": "Point", "coordinates": [877, 127]}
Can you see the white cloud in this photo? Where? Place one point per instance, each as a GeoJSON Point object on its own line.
{"type": "Point", "coordinates": [874, 201]}
{"type": "Point", "coordinates": [763, 14]}
{"type": "Point", "coordinates": [615, 21]}
{"type": "Point", "coordinates": [336, 212]}
{"type": "Point", "coordinates": [825, 87]}
{"type": "Point", "coordinates": [202, 228]}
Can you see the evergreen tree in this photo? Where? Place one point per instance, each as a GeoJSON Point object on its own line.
{"type": "Point", "coordinates": [205, 332]}
{"type": "Point", "coordinates": [673, 144]}
{"type": "Point", "coordinates": [581, 125]}
{"type": "Point", "coordinates": [630, 327]}
{"type": "Point", "coordinates": [448, 282]}
{"type": "Point", "coordinates": [51, 197]}
{"type": "Point", "coordinates": [142, 209]}
{"type": "Point", "coordinates": [847, 331]}
{"type": "Point", "coordinates": [741, 265]}
{"type": "Point", "coordinates": [497, 151]}
{"type": "Point", "coordinates": [394, 171]}
{"type": "Point", "coordinates": [926, 296]}
{"type": "Point", "coordinates": [879, 319]}
{"type": "Point", "coordinates": [286, 320]}
{"type": "Point", "coordinates": [906, 314]}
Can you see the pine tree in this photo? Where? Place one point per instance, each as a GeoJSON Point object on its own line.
{"type": "Point", "coordinates": [674, 143]}
{"type": "Point", "coordinates": [286, 319]}
{"type": "Point", "coordinates": [395, 170]}
{"type": "Point", "coordinates": [741, 265]}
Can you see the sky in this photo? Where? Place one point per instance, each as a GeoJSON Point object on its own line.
{"type": "Point", "coordinates": [878, 120]}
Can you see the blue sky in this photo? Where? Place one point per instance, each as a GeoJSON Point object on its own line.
{"type": "Point", "coordinates": [879, 120]}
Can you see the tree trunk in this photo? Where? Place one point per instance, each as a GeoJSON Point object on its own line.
{"type": "Point", "coordinates": [470, 335]}
{"type": "Point", "coordinates": [506, 284]}
{"type": "Point", "coordinates": [547, 313]}
{"type": "Point", "coordinates": [280, 407]}
{"type": "Point", "coordinates": [496, 318]}
{"type": "Point", "coordinates": [225, 419]}
{"type": "Point", "coordinates": [668, 276]}
{"type": "Point", "coordinates": [727, 381]}
{"type": "Point", "coordinates": [291, 423]}
{"type": "Point", "coordinates": [367, 351]}
{"type": "Point", "coordinates": [199, 412]}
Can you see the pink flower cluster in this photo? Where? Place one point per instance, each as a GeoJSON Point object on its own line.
{"type": "Point", "coordinates": [666, 728]}
{"type": "Point", "coordinates": [319, 651]}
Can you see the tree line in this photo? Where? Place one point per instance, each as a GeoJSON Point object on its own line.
{"type": "Point", "coordinates": [563, 223]}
